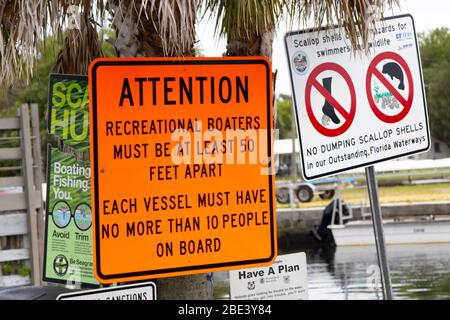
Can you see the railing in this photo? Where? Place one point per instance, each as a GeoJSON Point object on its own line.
{"type": "Point", "coordinates": [21, 206]}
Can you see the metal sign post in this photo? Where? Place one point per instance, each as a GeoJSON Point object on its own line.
{"type": "Point", "coordinates": [379, 233]}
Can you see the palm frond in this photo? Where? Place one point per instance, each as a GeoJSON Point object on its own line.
{"type": "Point", "coordinates": [245, 19]}
{"type": "Point", "coordinates": [25, 23]}
{"type": "Point", "coordinates": [21, 24]}
{"type": "Point", "coordinates": [81, 46]}
{"type": "Point", "coordinates": [176, 21]}
{"type": "Point", "coordinates": [357, 17]}
{"type": "Point", "coordinates": [169, 24]}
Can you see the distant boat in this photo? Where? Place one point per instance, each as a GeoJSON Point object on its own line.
{"type": "Point", "coordinates": [396, 231]}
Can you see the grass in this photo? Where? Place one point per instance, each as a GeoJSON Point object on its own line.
{"type": "Point", "coordinates": [394, 194]}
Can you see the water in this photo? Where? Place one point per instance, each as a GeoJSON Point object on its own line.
{"type": "Point", "coordinates": [347, 273]}
{"type": "Point", "coordinates": [417, 272]}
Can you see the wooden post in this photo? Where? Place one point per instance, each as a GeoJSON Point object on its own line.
{"type": "Point", "coordinates": [27, 163]}
{"type": "Point", "coordinates": [38, 179]}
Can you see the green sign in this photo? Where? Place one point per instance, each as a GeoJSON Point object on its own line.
{"type": "Point", "coordinates": [68, 247]}
{"type": "Point", "coordinates": [68, 116]}
{"type": "Point", "coordinates": [68, 232]}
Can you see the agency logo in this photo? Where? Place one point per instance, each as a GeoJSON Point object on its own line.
{"type": "Point", "coordinates": [404, 36]}
{"type": "Point", "coordinates": [405, 46]}
{"type": "Point", "coordinates": [300, 62]}
{"type": "Point", "coordinates": [60, 265]}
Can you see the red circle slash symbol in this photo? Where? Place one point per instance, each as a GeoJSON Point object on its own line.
{"type": "Point", "coordinates": [373, 71]}
{"type": "Point", "coordinates": [331, 101]}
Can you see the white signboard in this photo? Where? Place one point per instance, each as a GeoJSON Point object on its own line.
{"type": "Point", "coordinates": [285, 279]}
{"type": "Point", "coordinates": [138, 291]}
{"type": "Point", "coordinates": [352, 109]}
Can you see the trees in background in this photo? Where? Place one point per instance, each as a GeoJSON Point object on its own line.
{"type": "Point", "coordinates": [284, 116]}
{"type": "Point", "coordinates": [435, 55]}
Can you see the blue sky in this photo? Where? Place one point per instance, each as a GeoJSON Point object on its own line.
{"type": "Point", "coordinates": [427, 15]}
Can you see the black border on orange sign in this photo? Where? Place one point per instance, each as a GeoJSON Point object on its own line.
{"type": "Point", "coordinates": [94, 164]}
{"type": "Point", "coordinates": [291, 33]}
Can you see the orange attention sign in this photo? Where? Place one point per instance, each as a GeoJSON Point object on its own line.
{"type": "Point", "coordinates": [181, 154]}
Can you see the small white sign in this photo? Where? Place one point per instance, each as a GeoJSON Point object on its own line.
{"type": "Point", "coordinates": [285, 279]}
{"type": "Point", "coordinates": [138, 291]}
{"type": "Point", "coordinates": [355, 109]}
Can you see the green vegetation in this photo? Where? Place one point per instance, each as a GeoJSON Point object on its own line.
{"type": "Point", "coordinates": [15, 267]}
{"type": "Point", "coordinates": [284, 117]}
{"type": "Point", "coordinates": [435, 54]}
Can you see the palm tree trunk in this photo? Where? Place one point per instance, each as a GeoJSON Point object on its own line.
{"type": "Point", "coordinates": [142, 39]}
{"type": "Point", "coordinates": [257, 45]}
{"type": "Point", "coordinates": [192, 287]}
{"type": "Point", "coordinates": [138, 35]}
